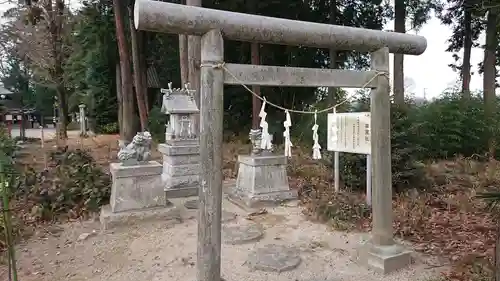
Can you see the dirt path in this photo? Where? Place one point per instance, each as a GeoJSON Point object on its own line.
{"type": "Point", "coordinates": [167, 251]}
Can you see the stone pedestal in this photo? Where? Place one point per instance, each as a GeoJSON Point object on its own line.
{"type": "Point", "coordinates": [181, 167]}
{"type": "Point", "coordinates": [136, 194]}
{"type": "Point", "coordinates": [383, 259]}
{"type": "Point", "coordinates": [262, 180]}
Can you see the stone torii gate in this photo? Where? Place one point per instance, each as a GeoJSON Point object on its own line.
{"type": "Point", "coordinates": [380, 252]}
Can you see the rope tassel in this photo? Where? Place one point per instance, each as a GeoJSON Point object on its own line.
{"type": "Point", "coordinates": [266, 137]}
{"type": "Point", "coordinates": [286, 134]}
{"type": "Point", "coordinates": [316, 147]}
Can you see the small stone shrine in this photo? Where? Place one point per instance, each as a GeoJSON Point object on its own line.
{"type": "Point", "coordinates": [181, 150]}
{"type": "Point", "coordinates": [136, 191]}
{"type": "Point", "coordinates": [262, 178]}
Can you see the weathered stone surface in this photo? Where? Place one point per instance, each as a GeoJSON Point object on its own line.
{"type": "Point", "coordinates": [241, 234]}
{"type": "Point", "coordinates": [138, 151]}
{"type": "Point", "coordinates": [171, 150]}
{"type": "Point", "coordinates": [191, 204]}
{"type": "Point", "coordinates": [262, 180]}
{"type": "Point", "coordinates": [110, 220]}
{"type": "Point", "coordinates": [181, 160]}
{"type": "Point", "coordinates": [383, 259]}
{"type": "Point", "coordinates": [151, 168]}
{"type": "Point", "coordinates": [181, 170]}
{"type": "Point", "coordinates": [227, 216]}
{"type": "Point", "coordinates": [277, 258]}
{"type": "Point", "coordinates": [180, 181]}
{"type": "Point", "coordinates": [165, 17]}
{"type": "Point", "coordinates": [136, 187]}
{"type": "Point", "coordinates": [183, 142]}
{"type": "Point", "coordinates": [182, 192]}
{"type": "Point", "coordinates": [262, 160]}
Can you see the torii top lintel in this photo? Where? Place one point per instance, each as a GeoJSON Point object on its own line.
{"type": "Point", "coordinates": [166, 17]}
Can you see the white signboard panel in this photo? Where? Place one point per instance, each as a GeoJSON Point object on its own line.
{"type": "Point", "coordinates": [349, 132]}
{"type": "Point", "coordinates": [8, 117]}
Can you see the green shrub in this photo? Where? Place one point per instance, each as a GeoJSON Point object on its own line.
{"type": "Point", "coordinates": [109, 129]}
{"type": "Point", "coordinates": [407, 171]}
{"type": "Point", "coordinates": [156, 124]}
{"type": "Point", "coordinates": [74, 185]}
{"type": "Point", "coordinates": [343, 210]}
{"type": "Point", "coordinates": [7, 144]}
{"type": "Point", "coordinates": [447, 127]}
{"type": "Point", "coordinates": [451, 126]}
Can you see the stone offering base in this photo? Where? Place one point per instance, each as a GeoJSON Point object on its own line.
{"type": "Point", "coordinates": [191, 204]}
{"type": "Point", "coordinates": [181, 167]}
{"type": "Point", "coordinates": [383, 259]}
{"type": "Point", "coordinates": [262, 181]}
{"type": "Point", "coordinates": [109, 219]}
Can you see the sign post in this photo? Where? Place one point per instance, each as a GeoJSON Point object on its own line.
{"type": "Point", "coordinates": [350, 132]}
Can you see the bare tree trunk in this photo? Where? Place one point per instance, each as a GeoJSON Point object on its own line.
{"type": "Point", "coordinates": [119, 96]}
{"type": "Point", "coordinates": [332, 52]}
{"type": "Point", "coordinates": [58, 72]}
{"type": "Point", "coordinates": [144, 67]}
{"type": "Point", "coordinates": [489, 76]}
{"type": "Point", "coordinates": [183, 58]}
{"type": "Point", "coordinates": [194, 53]}
{"type": "Point", "coordinates": [332, 99]}
{"type": "Point", "coordinates": [126, 77]}
{"type": "Point", "coordinates": [256, 104]}
{"type": "Point", "coordinates": [255, 59]}
{"type": "Point", "coordinates": [194, 61]}
{"type": "Point", "coordinates": [467, 53]}
{"type": "Point", "coordinates": [63, 111]}
{"type": "Point", "coordinates": [399, 26]}
{"type": "Point", "coordinates": [136, 38]}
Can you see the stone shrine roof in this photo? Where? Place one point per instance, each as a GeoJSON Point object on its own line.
{"type": "Point", "coordinates": [178, 102]}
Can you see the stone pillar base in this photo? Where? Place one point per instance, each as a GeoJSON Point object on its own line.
{"type": "Point", "coordinates": [262, 181]}
{"type": "Point", "coordinates": [383, 259]}
{"type": "Point", "coordinates": [136, 194]}
{"type": "Point", "coordinates": [181, 168]}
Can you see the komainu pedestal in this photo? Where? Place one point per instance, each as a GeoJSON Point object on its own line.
{"type": "Point", "coordinates": [262, 180]}
{"type": "Point", "coordinates": [136, 195]}
{"type": "Point", "coordinates": [181, 168]}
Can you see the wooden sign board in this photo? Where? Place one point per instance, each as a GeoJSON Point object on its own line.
{"type": "Point", "coordinates": [349, 132]}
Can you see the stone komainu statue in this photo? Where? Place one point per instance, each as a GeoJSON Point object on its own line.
{"type": "Point", "coordinates": [138, 151]}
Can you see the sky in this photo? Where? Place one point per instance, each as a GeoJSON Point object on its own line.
{"type": "Point", "coordinates": [428, 73]}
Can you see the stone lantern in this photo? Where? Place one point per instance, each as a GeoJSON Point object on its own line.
{"type": "Point", "coordinates": [181, 150]}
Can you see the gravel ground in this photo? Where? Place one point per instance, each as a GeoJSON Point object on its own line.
{"type": "Point", "coordinates": [167, 251]}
